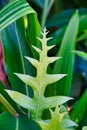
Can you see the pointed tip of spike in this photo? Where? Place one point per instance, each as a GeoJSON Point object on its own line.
{"type": "Point", "coordinates": [37, 49]}
{"type": "Point", "coordinates": [25, 56]}
{"type": "Point", "coordinates": [44, 32]}
{"type": "Point", "coordinates": [65, 75]}
{"type": "Point", "coordinates": [45, 29]}
{"type": "Point", "coordinates": [49, 38]}
{"type": "Point", "coordinates": [59, 58]}
{"type": "Point", "coordinates": [39, 39]}
{"type": "Point", "coordinates": [15, 73]}
{"type": "Point", "coordinates": [50, 47]}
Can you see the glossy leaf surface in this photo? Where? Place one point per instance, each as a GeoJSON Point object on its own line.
{"type": "Point", "coordinates": [14, 11]}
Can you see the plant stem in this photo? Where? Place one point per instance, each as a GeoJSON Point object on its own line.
{"type": "Point", "coordinates": [46, 10]}
{"type": "Point", "coordinates": [50, 5]}
{"type": "Point", "coordinates": [22, 60]}
{"type": "Point", "coordinates": [17, 123]}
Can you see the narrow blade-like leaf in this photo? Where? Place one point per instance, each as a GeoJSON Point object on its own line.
{"type": "Point", "coordinates": [66, 64]}
{"type": "Point", "coordinates": [81, 54]}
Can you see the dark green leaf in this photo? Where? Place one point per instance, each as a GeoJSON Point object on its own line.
{"type": "Point", "coordinates": [78, 112]}
{"type": "Point", "coordinates": [63, 18]}
{"type": "Point", "coordinates": [8, 122]}
{"type": "Point", "coordinates": [15, 48]}
{"type": "Point", "coordinates": [66, 63]}
{"type": "Point", "coordinates": [14, 60]}
{"type": "Point", "coordinates": [33, 30]}
{"type": "Point", "coordinates": [40, 3]}
{"type": "Point", "coordinates": [83, 21]}
{"type": "Point", "coordinates": [57, 36]}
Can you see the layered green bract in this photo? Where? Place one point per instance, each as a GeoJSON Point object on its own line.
{"type": "Point", "coordinates": [58, 121]}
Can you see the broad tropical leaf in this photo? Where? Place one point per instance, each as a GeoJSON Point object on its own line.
{"type": "Point", "coordinates": [14, 11]}
{"type": "Point", "coordinates": [17, 43]}
{"type": "Point", "coordinates": [9, 122]}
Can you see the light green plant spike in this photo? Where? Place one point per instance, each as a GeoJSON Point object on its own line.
{"type": "Point", "coordinates": [57, 122]}
{"type": "Point", "coordinates": [39, 102]}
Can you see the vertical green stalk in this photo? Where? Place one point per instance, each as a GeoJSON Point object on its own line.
{"type": "Point", "coordinates": [46, 10]}
{"type": "Point", "coordinates": [22, 60]}
{"type": "Point", "coordinates": [17, 123]}
{"type": "Point", "coordinates": [50, 5]}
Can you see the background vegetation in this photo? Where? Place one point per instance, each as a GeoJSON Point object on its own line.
{"type": "Point", "coordinates": [20, 24]}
